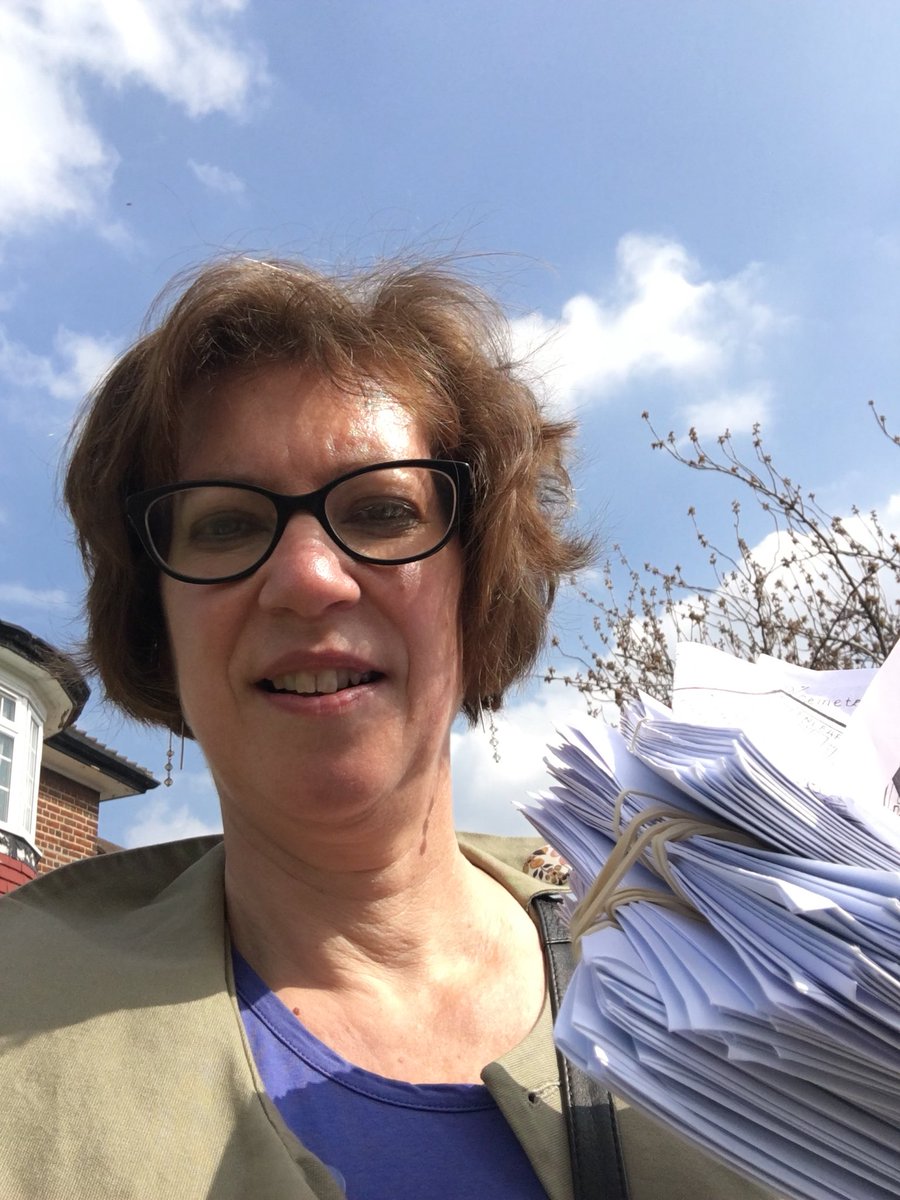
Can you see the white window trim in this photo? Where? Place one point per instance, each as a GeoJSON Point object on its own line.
{"type": "Point", "coordinates": [27, 734]}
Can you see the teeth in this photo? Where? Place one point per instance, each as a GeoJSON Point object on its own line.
{"type": "Point", "coordinates": [326, 681]}
{"type": "Point", "coordinates": [308, 683]}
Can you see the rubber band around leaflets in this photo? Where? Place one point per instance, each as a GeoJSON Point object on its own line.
{"type": "Point", "coordinates": [647, 833]}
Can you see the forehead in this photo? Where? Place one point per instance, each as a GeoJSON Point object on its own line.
{"type": "Point", "coordinates": [286, 420]}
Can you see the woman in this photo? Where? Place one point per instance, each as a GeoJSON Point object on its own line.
{"type": "Point", "coordinates": [320, 517]}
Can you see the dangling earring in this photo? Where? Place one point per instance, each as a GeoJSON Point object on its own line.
{"type": "Point", "coordinates": [493, 737]}
{"type": "Point", "coordinates": [170, 754]}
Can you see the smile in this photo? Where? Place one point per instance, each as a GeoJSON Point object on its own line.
{"type": "Point", "coordinates": [318, 683]}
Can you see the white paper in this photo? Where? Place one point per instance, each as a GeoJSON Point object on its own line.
{"type": "Point", "coordinates": [765, 1027]}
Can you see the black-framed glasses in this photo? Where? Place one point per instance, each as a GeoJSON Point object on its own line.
{"type": "Point", "coordinates": [215, 530]}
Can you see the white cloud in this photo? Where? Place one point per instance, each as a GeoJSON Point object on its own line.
{"type": "Point", "coordinates": [85, 359]}
{"type": "Point", "coordinates": [26, 597]}
{"type": "Point", "coordinates": [857, 537]}
{"type": "Point", "coordinates": [485, 791]}
{"type": "Point", "coordinates": [77, 362]}
{"type": "Point", "coordinates": [56, 163]}
{"type": "Point", "coordinates": [217, 179]}
{"type": "Point", "coordinates": [661, 316]}
{"type": "Point", "coordinates": [736, 411]}
{"type": "Point", "coordinates": [165, 819]}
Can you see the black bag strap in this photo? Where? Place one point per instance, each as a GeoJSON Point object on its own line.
{"type": "Point", "coordinates": [598, 1168]}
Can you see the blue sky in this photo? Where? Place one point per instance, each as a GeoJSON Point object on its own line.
{"type": "Point", "coordinates": [688, 207]}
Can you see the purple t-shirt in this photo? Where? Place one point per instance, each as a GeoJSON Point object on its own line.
{"type": "Point", "coordinates": [383, 1139]}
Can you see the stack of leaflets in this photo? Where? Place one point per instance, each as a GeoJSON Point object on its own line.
{"type": "Point", "coordinates": [736, 863]}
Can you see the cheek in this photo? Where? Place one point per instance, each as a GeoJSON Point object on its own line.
{"type": "Point", "coordinates": [173, 621]}
{"type": "Point", "coordinates": [190, 629]}
{"type": "Point", "coordinates": [433, 613]}
{"type": "Point", "coordinates": [173, 616]}
{"type": "Point", "coordinates": [433, 585]}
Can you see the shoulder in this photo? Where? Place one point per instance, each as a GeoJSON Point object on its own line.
{"type": "Point", "coordinates": [114, 918]}
{"type": "Point", "coordinates": [513, 850]}
{"type": "Point", "coordinates": [509, 861]}
{"type": "Point", "coordinates": [98, 887]}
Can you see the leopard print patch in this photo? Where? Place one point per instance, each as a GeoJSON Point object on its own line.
{"type": "Point", "coordinates": [548, 866]}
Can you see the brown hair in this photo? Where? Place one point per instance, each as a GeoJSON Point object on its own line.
{"type": "Point", "coordinates": [419, 329]}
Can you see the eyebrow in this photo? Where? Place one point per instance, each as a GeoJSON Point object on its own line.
{"type": "Point", "coordinates": [245, 479]}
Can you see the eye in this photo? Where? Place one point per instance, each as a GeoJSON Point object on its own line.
{"type": "Point", "coordinates": [382, 515]}
{"type": "Point", "coordinates": [221, 527]}
{"type": "Point", "coordinates": [213, 519]}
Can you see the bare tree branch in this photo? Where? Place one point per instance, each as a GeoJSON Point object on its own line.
{"type": "Point", "coordinates": [824, 591]}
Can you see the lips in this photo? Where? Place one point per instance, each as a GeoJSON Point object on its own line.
{"type": "Point", "coordinates": [318, 683]}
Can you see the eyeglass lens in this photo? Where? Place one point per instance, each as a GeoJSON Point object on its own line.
{"type": "Point", "coordinates": [211, 532]}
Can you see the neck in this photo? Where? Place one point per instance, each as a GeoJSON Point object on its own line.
{"type": "Point", "coordinates": [395, 951]}
{"type": "Point", "coordinates": [318, 906]}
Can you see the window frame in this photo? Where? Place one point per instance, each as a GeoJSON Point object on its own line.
{"type": "Point", "coordinates": [25, 732]}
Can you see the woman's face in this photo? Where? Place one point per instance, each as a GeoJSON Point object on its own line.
{"type": "Point", "coordinates": [311, 610]}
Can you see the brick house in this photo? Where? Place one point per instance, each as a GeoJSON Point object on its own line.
{"type": "Point", "coordinates": [53, 777]}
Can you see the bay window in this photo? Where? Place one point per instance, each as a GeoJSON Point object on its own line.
{"type": "Point", "coordinates": [21, 741]}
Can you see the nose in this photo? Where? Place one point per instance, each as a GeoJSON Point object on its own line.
{"type": "Point", "coordinates": [306, 572]}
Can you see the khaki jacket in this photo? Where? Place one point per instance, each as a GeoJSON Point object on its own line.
{"type": "Point", "coordinates": [126, 1074]}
